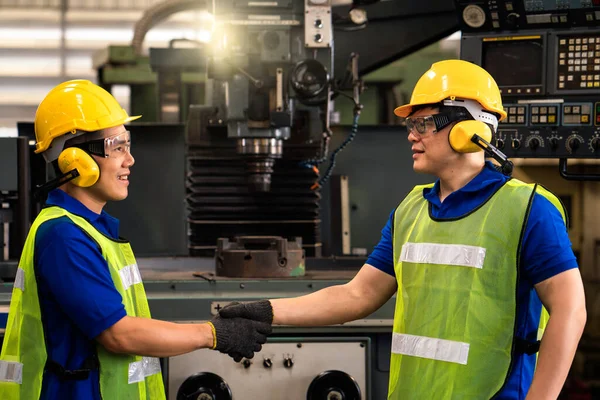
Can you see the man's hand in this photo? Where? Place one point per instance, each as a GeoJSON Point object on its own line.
{"type": "Point", "coordinates": [261, 311]}
{"type": "Point", "coordinates": [239, 337]}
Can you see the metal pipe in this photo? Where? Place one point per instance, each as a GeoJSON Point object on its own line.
{"type": "Point", "coordinates": [158, 13]}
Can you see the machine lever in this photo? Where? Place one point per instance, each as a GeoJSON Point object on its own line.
{"type": "Point", "coordinates": [562, 166]}
{"type": "Point", "coordinates": [256, 82]}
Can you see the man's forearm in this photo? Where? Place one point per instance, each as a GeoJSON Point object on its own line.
{"type": "Point", "coordinates": [329, 306]}
{"type": "Point", "coordinates": [151, 337]}
{"type": "Point", "coordinates": [556, 354]}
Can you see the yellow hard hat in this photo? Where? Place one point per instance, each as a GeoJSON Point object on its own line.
{"type": "Point", "coordinates": [76, 105]}
{"type": "Point", "coordinates": [455, 79]}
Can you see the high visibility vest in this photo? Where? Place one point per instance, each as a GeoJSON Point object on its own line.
{"type": "Point", "coordinates": [454, 325]}
{"type": "Point", "coordinates": [24, 356]}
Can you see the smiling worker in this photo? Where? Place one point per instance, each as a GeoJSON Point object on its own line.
{"type": "Point", "coordinates": [79, 326]}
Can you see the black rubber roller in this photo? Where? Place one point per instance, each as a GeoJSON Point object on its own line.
{"type": "Point", "coordinates": [333, 385]}
{"type": "Point", "coordinates": [204, 386]}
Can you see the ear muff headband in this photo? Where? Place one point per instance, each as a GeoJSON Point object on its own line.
{"type": "Point", "coordinates": [461, 134]}
{"type": "Point", "coordinates": [76, 158]}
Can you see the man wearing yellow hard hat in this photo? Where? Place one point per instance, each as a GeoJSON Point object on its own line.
{"type": "Point", "coordinates": [79, 326]}
{"type": "Point", "coordinates": [475, 260]}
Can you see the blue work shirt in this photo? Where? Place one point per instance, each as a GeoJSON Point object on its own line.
{"type": "Point", "coordinates": [546, 251]}
{"type": "Point", "coordinates": [78, 298]}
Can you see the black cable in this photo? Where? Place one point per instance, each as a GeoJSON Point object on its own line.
{"type": "Point", "coordinates": [341, 147]}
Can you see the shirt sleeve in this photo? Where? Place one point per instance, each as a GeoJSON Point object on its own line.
{"type": "Point", "coordinates": [71, 267]}
{"type": "Point", "coordinates": [382, 256]}
{"type": "Point", "coordinates": [546, 250]}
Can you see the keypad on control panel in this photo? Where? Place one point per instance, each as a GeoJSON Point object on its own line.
{"type": "Point", "coordinates": [516, 114]}
{"type": "Point", "coordinates": [578, 63]}
{"type": "Point", "coordinates": [544, 114]}
{"type": "Point", "coordinates": [577, 114]}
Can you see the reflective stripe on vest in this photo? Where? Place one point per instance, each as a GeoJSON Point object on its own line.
{"type": "Point", "coordinates": [432, 348]}
{"type": "Point", "coordinates": [11, 371]}
{"type": "Point", "coordinates": [130, 275]}
{"type": "Point", "coordinates": [139, 370]}
{"type": "Point", "coordinates": [20, 279]}
{"type": "Point", "coordinates": [445, 254]}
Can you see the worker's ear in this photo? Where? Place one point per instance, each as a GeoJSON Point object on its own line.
{"type": "Point", "coordinates": [460, 135]}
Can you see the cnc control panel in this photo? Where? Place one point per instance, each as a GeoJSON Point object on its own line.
{"type": "Point", "coordinates": [549, 78]}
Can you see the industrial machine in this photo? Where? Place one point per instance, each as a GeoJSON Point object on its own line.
{"type": "Point", "coordinates": [247, 135]}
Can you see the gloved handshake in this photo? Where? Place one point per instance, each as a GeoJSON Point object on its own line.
{"type": "Point", "coordinates": [241, 329]}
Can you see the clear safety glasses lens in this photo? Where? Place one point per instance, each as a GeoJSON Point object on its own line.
{"type": "Point", "coordinates": [117, 146]}
{"type": "Point", "coordinates": [420, 124]}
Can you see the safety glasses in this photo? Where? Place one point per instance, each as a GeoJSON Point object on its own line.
{"type": "Point", "coordinates": [433, 123]}
{"type": "Point", "coordinates": [116, 146]}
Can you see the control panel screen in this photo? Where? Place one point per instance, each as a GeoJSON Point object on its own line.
{"type": "Point", "coordinates": [516, 63]}
{"type": "Point", "coordinates": [550, 5]}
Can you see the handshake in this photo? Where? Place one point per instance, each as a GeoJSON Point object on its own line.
{"type": "Point", "coordinates": [241, 329]}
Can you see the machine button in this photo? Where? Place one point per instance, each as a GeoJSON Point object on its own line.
{"type": "Point", "coordinates": [551, 119]}
{"type": "Point", "coordinates": [595, 144]}
{"type": "Point", "coordinates": [516, 143]}
{"type": "Point", "coordinates": [247, 363]}
{"type": "Point", "coordinates": [318, 23]}
{"type": "Point", "coordinates": [553, 143]}
{"type": "Point", "coordinates": [288, 362]}
{"type": "Point", "coordinates": [267, 363]}
{"type": "Point", "coordinates": [318, 38]}
{"type": "Point", "coordinates": [585, 119]}
{"type": "Point", "coordinates": [500, 143]}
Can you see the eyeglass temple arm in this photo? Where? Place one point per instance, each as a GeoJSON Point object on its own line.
{"type": "Point", "coordinates": [492, 151]}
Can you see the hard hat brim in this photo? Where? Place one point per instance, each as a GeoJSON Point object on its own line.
{"type": "Point", "coordinates": [403, 111]}
{"type": "Point", "coordinates": [129, 119]}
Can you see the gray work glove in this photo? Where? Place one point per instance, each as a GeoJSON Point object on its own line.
{"type": "Point", "coordinates": [238, 336]}
{"type": "Point", "coordinates": [260, 311]}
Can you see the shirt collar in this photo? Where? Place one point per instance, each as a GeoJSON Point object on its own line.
{"type": "Point", "coordinates": [60, 198]}
{"type": "Point", "coordinates": [488, 175]}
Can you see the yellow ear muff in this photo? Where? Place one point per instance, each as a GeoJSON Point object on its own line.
{"type": "Point", "coordinates": [461, 134]}
{"type": "Point", "coordinates": [76, 158]}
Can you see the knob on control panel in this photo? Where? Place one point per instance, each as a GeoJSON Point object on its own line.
{"type": "Point", "coordinates": [553, 143]}
{"type": "Point", "coordinates": [534, 143]}
{"type": "Point", "coordinates": [267, 363]}
{"type": "Point", "coordinates": [574, 144]}
{"type": "Point", "coordinates": [516, 143]}
{"type": "Point", "coordinates": [595, 143]}
{"type": "Point", "coordinates": [500, 143]}
{"type": "Point", "coordinates": [288, 362]}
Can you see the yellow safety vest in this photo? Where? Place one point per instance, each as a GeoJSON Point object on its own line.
{"type": "Point", "coordinates": [453, 335]}
{"type": "Point", "coordinates": [23, 356]}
